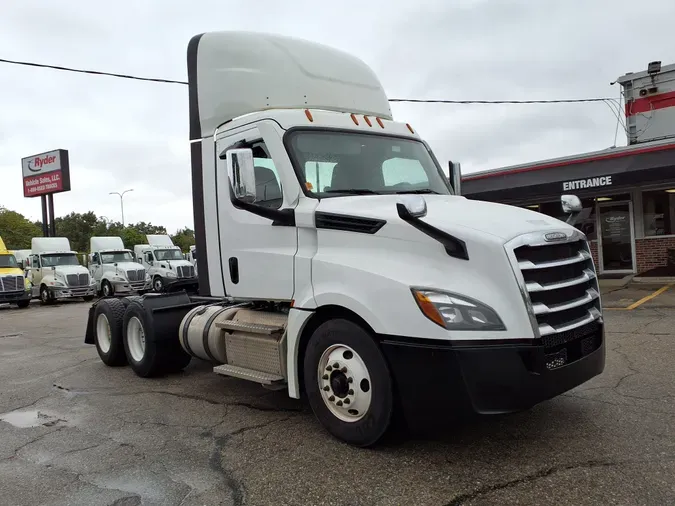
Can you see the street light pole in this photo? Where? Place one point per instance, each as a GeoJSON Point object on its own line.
{"type": "Point", "coordinates": [121, 195]}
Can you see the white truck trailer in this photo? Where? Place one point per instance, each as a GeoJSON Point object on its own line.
{"type": "Point", "coordinates": [336, 260]}
{"type": "Point", "coordinates": [56, 273]}
{"type": "Point", "coordinates": [114, 269]}
{"type": "Point", "coordinates": [165, 264]}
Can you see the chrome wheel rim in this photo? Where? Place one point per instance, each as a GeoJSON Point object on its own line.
{"type": "Point", "coordinates": [344, 383]}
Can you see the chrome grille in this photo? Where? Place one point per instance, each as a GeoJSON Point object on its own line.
{"type": "Point", "coordinates": [77, 279]}
{"type": "Point", "coordinates": [560, 284]}
{"type": "Point", "coordinates": [11, 283]}
{"type": "Point", "coordinates": [136, 275]}
{"type": "Point", "coordinates": [185, 271]}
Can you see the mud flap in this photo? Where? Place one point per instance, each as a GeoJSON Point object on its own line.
{"type": "Point", "coordinates": [89, 332]}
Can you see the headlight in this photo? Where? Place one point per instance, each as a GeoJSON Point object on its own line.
{"type": "Point", "coordinates": [147, 277]}
{"type": "Point", "coordinates": [456, 312]}
{"type": "Point", "coordinates": [27, 284]}
{"type": "Point", "coordinates": [118, 278]}
{"type": "Point", "coordinates": [59, 283]}
{"type": "Point", "coordinates": [170, 274]}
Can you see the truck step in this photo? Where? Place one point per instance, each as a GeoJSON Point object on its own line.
{"type": "Point", "coordinates": [263, 378]}
{"type": "Point", "coordinates": [253, 328]}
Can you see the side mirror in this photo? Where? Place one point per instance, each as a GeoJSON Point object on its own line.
{"type": "Point", "coordinates": [241, 172]}
{"type": "Point", "coordinates": [571, 204]}
{"type": "Point", "coordinates": [455, 176]}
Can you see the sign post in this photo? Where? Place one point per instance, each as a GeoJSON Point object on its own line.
{"type": "Point", "coordinates": [43, 176]}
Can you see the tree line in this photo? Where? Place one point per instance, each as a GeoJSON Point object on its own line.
{"type": "Point", "coordinates": [17, 231]}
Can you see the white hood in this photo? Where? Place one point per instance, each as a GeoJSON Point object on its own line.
{"type": "Point", "coordinates": [68, 269]}
{"type": "Point", "coordinates": [125, 266]}
{"type": "Point", "coordinates": [450, 214]}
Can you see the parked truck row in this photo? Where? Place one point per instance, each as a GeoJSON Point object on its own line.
{"type": "Point", "coordinates": [339, 263]}
{"type": "Point", "coordinates": [51, 271]}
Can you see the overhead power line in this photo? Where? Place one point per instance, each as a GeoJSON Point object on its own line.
{"type": "Point", "coordinates": [406, 100]}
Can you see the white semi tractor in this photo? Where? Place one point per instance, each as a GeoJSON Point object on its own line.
{"type": "Point", "coordinates": [337, 261]}
{"type": "Point", "coordinates": [114, 268]}
{"type": "Point", "coordinates": [56, 273]}
{"type": "Point", "coordinates": [165, 264]}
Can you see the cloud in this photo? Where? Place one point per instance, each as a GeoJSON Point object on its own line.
{"type": "Point", "coordinates": [129, 134]}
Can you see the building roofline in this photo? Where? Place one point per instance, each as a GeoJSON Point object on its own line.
{"type": "Point", "coordinates": [631, 76]}
{"type": "Point", "coordinates": [605, 154]}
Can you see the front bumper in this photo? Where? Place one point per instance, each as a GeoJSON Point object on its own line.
{"type": "Point", "coordinates": [14, 297]}
{"type": "Point", "coordinates": [59, 292]}
{"type": "Point", "coordinates": [176, 284]}
{"type": "Point", "coordinates": [131, 287]}
{"type": "Point", "coordinates": [437, 382]}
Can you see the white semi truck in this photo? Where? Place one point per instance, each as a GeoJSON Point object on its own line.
{"type": "Point", "coordinates": [165, 264]}
{"type": "Point", "coordinates": [114, 269]}
{"type": "Point", "coordinates": [56, 273]}
{"type": "Point", "coordinates": [191, 256]}
{"type": "Point", "coordinates": [337, 262]}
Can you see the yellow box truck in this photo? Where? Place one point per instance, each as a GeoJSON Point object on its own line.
{"type": "Point", "coordinates": [14, 287]}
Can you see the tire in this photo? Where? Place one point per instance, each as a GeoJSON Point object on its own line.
{"type": "Point", "coordinates": [88, 298]}
{"type": "Point", "coordinates": [108, 337]}
{"type": "Point", "coordinates": [157, 284]}
{"type": "Point", "coordinates": [22, 304]}
{"type": "Point", "coordinates": [107, 289]}
{"type": "Point", "coordinates": [146, 357]}
{"type": "Point", "coordinates": [374, 392]}
{"type": "Point", "coordinates": [46, 296]}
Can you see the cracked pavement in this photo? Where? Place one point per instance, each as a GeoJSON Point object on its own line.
{"type": "Point", "coordinates": [75, 432]}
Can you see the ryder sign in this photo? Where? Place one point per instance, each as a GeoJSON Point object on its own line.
{"type": "Point", "coordinates": [46, 173]}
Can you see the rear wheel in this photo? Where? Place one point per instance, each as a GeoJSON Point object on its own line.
{"type": "Point", "coordinates": [108, 335]}
{"type": "Point", "coordinates": [348, 383]}
{"type": "Point", "coordinates": [146, 356]}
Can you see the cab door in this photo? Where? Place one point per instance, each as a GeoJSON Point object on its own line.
{"type": "Point", "coordinates": [35, 273]}
{"type": "Point", "coordinates": [256, 253]}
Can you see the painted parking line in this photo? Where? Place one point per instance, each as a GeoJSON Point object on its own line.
{"type": "Point", "coordinates": [642, 300]}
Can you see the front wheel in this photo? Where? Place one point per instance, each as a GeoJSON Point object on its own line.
{"type": "Point", "coordinates": [45, 295]}
{"type": "Point", "coordinates": [106, 289]}
{"type": "Point", "coordinates": [22, 304]}
{"type": "Point", "coordinates": [157, 284]}
{"type": "Point", "coordinates": [348, 383]}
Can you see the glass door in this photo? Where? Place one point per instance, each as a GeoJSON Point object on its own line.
{"type": "Point", "coordinates": [616, 236]}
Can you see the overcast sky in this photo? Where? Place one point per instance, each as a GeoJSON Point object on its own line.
{"type": "Point", "coordinates": [128, 134]}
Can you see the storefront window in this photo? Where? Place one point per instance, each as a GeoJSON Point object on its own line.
{"type": "Point", "coordinates": [658, 209]}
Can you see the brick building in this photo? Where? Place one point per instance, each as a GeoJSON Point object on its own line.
{"type": "Point", "coordinates": [628, 193]}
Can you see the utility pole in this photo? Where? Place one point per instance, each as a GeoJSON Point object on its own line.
{"type": "Point", "coordinates": [121, 195]}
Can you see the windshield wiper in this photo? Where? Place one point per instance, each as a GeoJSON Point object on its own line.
{"type": "Point", "coordinates": [354, 191]}
{"type": "Point", "coordinates": [423, 190]}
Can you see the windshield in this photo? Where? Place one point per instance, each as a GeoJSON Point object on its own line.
{"type": "Point", "coordinates": [334, 163]}
{"type": "Point", "coordinates": [8, 261]}
{"type": "Point", "coordinates": [59, 259]}
{"type": "Point", "coordinates": [168, 254]}
{"type": "Point", "coordinates": [113, 257]}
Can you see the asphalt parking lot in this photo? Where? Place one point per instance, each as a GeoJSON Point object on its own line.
{"type": "Point", "coordinates": [76, 432]}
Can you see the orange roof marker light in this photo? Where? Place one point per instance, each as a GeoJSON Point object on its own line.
{"type": "Point", "coordinates": [353, 116]}
{"type": "Point", "coordinates": [309, 115]}
{"type": "Point", "coordinates": [410, 128]}
{"type": "Point", "coordinates": [379, 122]}
{"type": "Point", "coordinates": [368, 121]}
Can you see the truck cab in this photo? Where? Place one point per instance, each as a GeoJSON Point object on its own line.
{"type": "Point", "coordinates": [165, 265]}
{"type": "Point", "coordinates": [114, 268]}
{"type": "Point", "coordinates": [15, 288]}
{"type": "Point", "coordinates": [55, 271]}
{"type": "Point", "coordinates": [337, 261]}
